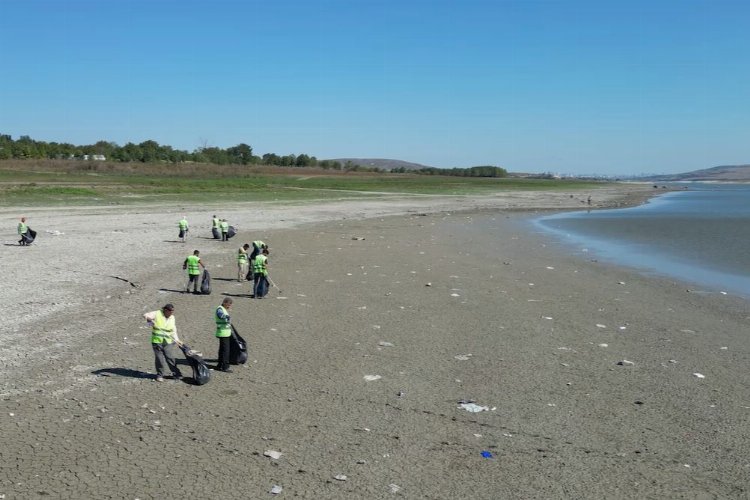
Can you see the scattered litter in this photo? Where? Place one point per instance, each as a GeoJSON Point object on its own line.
{"type": "Point", "coordinates": [455, 295]}
{"type": "Point", "coordinates": [428, 284]}
{"type": "Point", "coordinates": [723, 348]}
{"type": "Point", "coordinates": [472, 407]}
{"type": "Point", "coordinates": [358, 238]}
{"type": "Point", "coordinates": [377, 327]}
{"type": "Point", "coordinates": [276, 489]}
{"type": "Point", "coordinates": [486, 454]}
{"type": "Point", "coordinates": [723, 293]}
{"type": "Point", "coordinates": [564, 349]}
{"type": "Point", "coordinates": [625, 362]}
{"type": "Point", "coordinates": [546, 317]}
{"type": "Point", "coordinates": [462, 357]}
{"type": "Point", "coordinates": [551, 405]}
{"type": "Point", "coordinates": [11, 414]}
{"type": "Point", "coordinates": [603, 345]}
{"type": "Point", "coordinates": [383, 343]}
{"type": "Point", "coordinates": [272, 454]}
{"type": "Point", "coordinates": [623, 328]}
{"type": "Point", "coordinates": [507, 434]}
{"type": "Point", "coordinates": [280, 298]}
{"type": "Point", "coordinates": [362, 429]}
{"type": "Point", "coordinates": [550, 267]}
{"type": "Point", "coordinates": [699, 375]}
{"type": "Point", "coordinates": [361, 462]}
{"type": "Point", "coordinates": [340, 477]}
{"type": "Point", "coordinates": [531, 284]}
{"type": "Point", "coordinates": [599, 325]}
{"type": "Point", "coordinates": [370, 378]}
{"type": "Point", "coordinates": [394, 488]}
{"type": "Point", "coordinates": [674, 361]}
{"type": "Point", "coordinates": [477, 435]}
{"type": "Point", "coordinates": [401, 394]}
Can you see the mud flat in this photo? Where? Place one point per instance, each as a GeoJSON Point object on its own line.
{"type": "Point", "coordinates": [391, 319]}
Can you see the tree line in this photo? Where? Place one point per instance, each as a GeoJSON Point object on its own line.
{"type": "Point", "coordinates": [242, 154]}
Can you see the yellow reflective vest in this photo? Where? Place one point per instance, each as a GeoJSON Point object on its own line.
{"type": "Point", "coordinates": [162, 329]}
{"type": "Point", "coordinates": [223, 326]}
{"type": "Point", "coordinates": [259, 265]}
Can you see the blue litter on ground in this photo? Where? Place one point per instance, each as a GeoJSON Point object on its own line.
{"type": "Point", "coordinates": [486, 454]}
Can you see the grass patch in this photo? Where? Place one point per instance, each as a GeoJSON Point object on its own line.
{"type": "Point", "coordinates": [64, 182]}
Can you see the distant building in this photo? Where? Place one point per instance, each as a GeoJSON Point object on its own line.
{"type": "Point", "coordinates": [95, 157]}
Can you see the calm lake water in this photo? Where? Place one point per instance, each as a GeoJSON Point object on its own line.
{"type": "Point", "coordinates": [700, 235]}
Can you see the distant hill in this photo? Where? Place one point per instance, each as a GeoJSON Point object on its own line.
{"type": "Point", "coordinates": [382, 163]}
{"type": "Point", "coordinates": [726, 173]}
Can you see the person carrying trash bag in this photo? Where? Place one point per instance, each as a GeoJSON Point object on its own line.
{"type": "Point", "coordinates": [22, 229]}
{"type": "Point", "coordinates": [224, 334]}
{"type": "Point", "coordinates": [258, 247]}
{"type": "Point", "coordinates": [193, 263]}
{"type": "Point", "coordinates": [260, 272]}
{"type": "Point", "coordinates": [183, 225]}
{"type": "Point", "coordinates": [163, 340]}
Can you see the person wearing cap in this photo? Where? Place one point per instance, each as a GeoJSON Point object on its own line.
{"type": "Point", "coordinates": [22, 229]}
{"type": "Point", "coordinates": [163, 340]}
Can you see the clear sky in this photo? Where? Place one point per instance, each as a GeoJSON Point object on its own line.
{"type": "Point", "coordinates": [570, 86]}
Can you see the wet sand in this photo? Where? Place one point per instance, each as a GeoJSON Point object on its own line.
{"type": "Point", "coordinates": [445, 300]}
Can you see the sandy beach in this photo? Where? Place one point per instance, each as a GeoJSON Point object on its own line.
{"type": "Point", "coordinates": [592, 381]}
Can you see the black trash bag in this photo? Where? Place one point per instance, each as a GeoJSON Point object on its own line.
{"type": "Point", "coordinates": [231, 232]}
{"type": "Point", "coordinates": [206, 283]}
{"type": "Point", "coordinates": [29, 236]}
{"type": "Point", "coordinates": [217, 234]}
{"type": "Point", "coordinates": [249, 275]}
{"type": "Point", "coordinates": [201, 372]}
{"type": "Point", "coordinates": [237, 348]}
{"type": "Point", "coordinates": [261, 288]}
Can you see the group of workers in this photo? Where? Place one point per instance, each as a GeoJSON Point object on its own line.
{"type": "Point", "coordinates": [220, 228]}
{"type": "Point", "coordinates": [164, 339]}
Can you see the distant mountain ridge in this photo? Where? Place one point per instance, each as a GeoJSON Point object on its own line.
{"type": "Point", "coordinates": [725, 173]}
{"type": "Point", "coordinates": [381, 163]}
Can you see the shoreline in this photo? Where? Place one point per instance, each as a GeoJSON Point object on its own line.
{"type": "Point", "coordinates": [448, 306]}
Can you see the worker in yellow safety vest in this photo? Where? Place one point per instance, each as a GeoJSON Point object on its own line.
{"type": "Point", "coordinates": [183, 225]}
{"type": "Point", "coordinates": [260, 274]}
{"type": "Point", "coordinates": [224, 230]}
{"type": "Point", "coordinates": [223, 333]}
{"type": "Point", "coordinates": [193, 263]}
{"type": "Point", "coordinates": [163, 339]}
{"type": "Point", "coordinates": [22, 229]}
{"type": "Point", "coordinates": [242, 262]}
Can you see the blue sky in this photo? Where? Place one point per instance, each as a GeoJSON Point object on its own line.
{"type": "Point", "coordinates": [568, 86]}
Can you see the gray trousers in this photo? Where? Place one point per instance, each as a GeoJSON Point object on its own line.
{"type": "Point", "coordinates": [164, 358]}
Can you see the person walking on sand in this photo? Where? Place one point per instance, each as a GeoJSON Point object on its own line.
{"type": "Point", "coordinates": [22, 229]}
{"type": "Point", "coordinates": [183, 225]}
{"type": "Point", "coordinates": [163, 339]}
{"type": "Point", "coordinates": [260, 274]}
{"type": "Point", "coordinates": [193, 263]}
{"type": "Point", "coordinates": [242, 262]}
{"type": "Point", "coordinates": [223, 333]}
{"type": "Point", "coordinates": [224, 230]}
